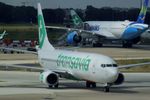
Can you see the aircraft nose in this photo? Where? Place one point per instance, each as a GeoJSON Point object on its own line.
{"type": "Point", "coordinates": [112, 74]}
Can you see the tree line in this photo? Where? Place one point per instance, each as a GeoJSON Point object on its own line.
{"type": "Point", "coordinates": [27, 14]}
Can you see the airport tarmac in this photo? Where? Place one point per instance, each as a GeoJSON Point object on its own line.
{"type": "Point", "coordinates": [26, 86]}
{"type": "Point", "coordinates": [141, 52]}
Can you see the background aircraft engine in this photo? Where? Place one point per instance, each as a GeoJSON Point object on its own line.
{"type": "Point", "coordinates": [73, 37]}
{"type": "Point", "coordinates": [49, 78]}
{"type": "Point", "coordinates": [120, 79]}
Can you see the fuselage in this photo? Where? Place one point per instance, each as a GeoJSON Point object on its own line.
{"type": "Point", "coordinates": [83, 66]}
{"type": "Point", "coordinates": [126, 30]}
{"type": "Point", "coordinates": [110, 29]}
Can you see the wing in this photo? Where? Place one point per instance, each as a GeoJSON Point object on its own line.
{"type": "Point", "coordinates": [133, 65]}
{"type": "Point", "coordinates": [62, 73]}
{"type": "Point", "coordinates": [21, 66]}
{"type": "Point", "coordinates": [65, 74]}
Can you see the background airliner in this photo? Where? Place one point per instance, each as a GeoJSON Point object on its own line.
{"type": "Point", "coordinates": [128, 32]}
{"type": "Point", "coordinates": [90, 67]}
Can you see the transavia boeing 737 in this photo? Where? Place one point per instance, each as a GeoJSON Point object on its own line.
{"type": "Point", "coordinates": [128, 32]}
{"type": "Point", "coordinates": [89, 67]}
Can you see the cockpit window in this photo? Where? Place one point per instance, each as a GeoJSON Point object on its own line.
{"type": "Point", "coordinates": [103, 65]}
{"type": "Point", "coordinates": [115, 65]}
{"type": "Point", "coordinates": [109, 65]}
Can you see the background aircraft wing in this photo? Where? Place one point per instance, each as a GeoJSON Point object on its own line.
{"type": "Point", "coordinates": [133, 65]}
{"type": "Point", "coordinates": [18, 50]}
{"type": "Point", "coordinates": [80, 31]}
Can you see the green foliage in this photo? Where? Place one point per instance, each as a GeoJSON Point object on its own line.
{"type": "Point", "coordinates": [28, 32]}
{"type": "Point", "coordinates": [27, 14]}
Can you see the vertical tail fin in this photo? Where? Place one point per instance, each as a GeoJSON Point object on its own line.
{"type": "Point", "coordinates": [141, 17]}
{"type": "Point", "coordinates": [2, 35]}
{"type": "Point", "coordinates": [43, 39]}
{"type": "Point", "coordinates": [76, 19]}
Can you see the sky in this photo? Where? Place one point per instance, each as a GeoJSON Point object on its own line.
{"type": "Point", "coordinates": [76, 3]}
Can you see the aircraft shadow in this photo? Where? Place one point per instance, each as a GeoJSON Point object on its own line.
{"type": "Point", "coordinates": [81, 85]}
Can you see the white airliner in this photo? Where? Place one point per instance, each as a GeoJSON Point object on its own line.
{"type": "Point", "coordinates": [2, 35]}
{"type": "Point", "coordinates": [128, 32]}
{"type": "Point", "coordinates": [90, 67]}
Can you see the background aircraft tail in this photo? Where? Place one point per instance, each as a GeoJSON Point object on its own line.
{"type": "Point", "coordinates": [44, 44]}
{"type": "Point", "coordinates": [77, 21]}
{"type": "Point", "coordinates": [141, 17]}
{"type": "Point", "coordinates": [2, 35]}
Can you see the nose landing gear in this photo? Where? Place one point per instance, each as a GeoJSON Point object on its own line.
{"type": "Point", "coordinates": [107, 87]}
{"type": "Point", "coordinates": [93, 85]}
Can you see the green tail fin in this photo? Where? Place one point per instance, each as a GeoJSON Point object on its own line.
{"type": "Point", "coordinates": [76, 19]}
{"type": "Point", "coordinates": [43, 39]}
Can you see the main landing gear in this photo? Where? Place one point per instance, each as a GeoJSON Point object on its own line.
{"type": "Point", "coordinates": [97, 44]}
{"type": "Point", "coordinates": [106, 88]}
{"type": "Point", "coordinates": [90, 84]}
{"type": "Point", "coordinates": [55, 86]}
{"type": "Point", "coordinates": [127, 44]}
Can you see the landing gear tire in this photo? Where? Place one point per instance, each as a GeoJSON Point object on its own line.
{"type": "Point", "coordinates": [107, 89]}
{"type": "Point", "coordinates": [50, 86]}
{"type": "Point", "coordinates": [97, 44]}
{"type": "Point", "coordinates": [93, 85]}
{"type": "Point", "coordinates": [90, 84]}
{"type": "Point", "coordinates": [127, 45]}
{"type": "Point", "coordinates": [55, 86]}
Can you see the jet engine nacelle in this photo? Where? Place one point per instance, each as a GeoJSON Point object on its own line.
{"type": "Point", "coordinates": [73, 37]}
{"type": "Point", "coordinates": [49, 78]}
{"type": "Point", "coordinates": [120, 79]}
